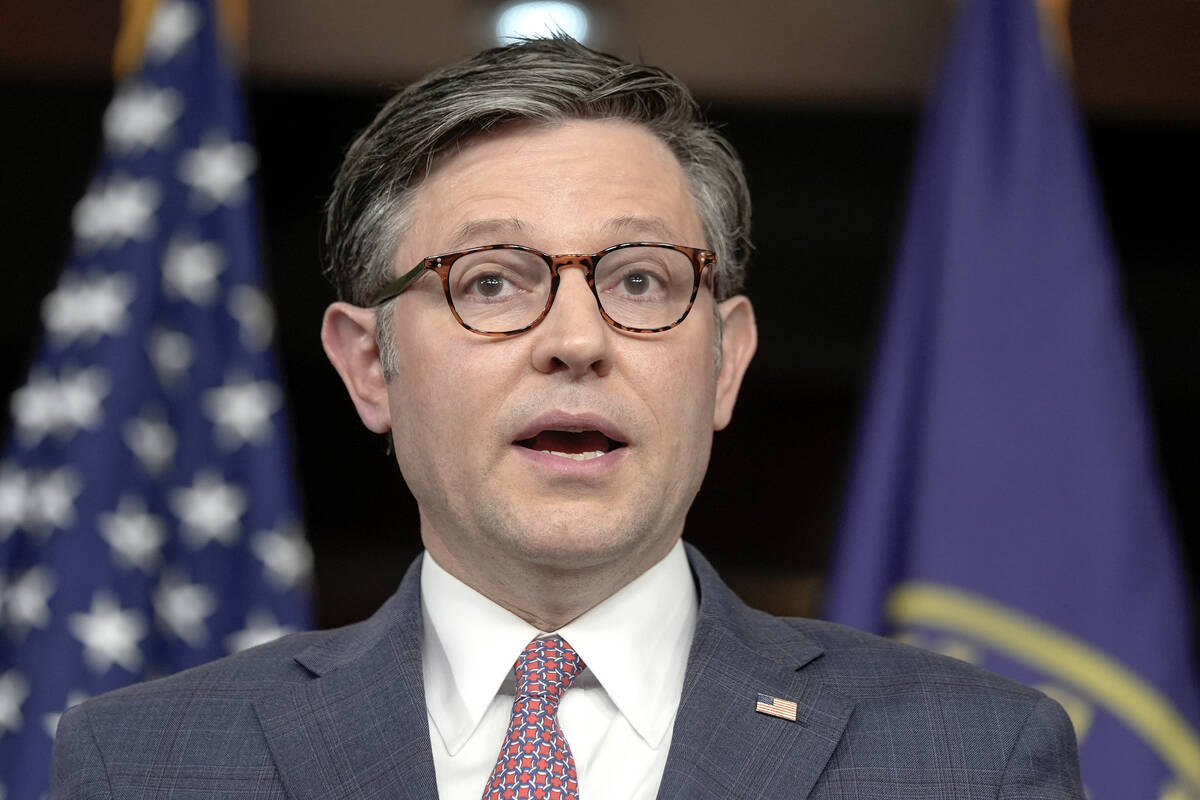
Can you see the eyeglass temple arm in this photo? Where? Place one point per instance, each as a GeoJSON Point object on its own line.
{"type": "Point", "coordinates": [393, 288]}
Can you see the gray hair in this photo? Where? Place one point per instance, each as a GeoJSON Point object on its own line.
{"type": "Point", "coordinates": [538, 80]}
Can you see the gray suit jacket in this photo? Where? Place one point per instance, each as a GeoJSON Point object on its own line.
{"type": "Point", "coordinates": [341, 713]}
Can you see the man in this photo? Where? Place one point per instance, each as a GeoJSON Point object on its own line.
{"type": "Point", "coordinates": [553, 415]}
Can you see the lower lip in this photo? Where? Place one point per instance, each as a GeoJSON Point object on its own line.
{"type": "Point", "coordinates": [569, 467]}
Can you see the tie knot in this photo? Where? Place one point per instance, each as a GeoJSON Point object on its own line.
{"type": "Point", "coordinates": [547, 667]}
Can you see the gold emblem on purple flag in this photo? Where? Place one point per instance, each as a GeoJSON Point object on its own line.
{"type": "Point", "coordinates": [776, 707]}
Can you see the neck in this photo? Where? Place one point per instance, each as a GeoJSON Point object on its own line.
{"type": "Point", "coordinates": [547, 597]}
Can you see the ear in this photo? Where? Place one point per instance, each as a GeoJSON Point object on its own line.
{"type": "Point", "coordinates": [739, 340]}
{"type": "Point", "coordinates": [348, 334]}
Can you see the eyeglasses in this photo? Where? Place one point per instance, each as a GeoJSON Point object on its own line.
{"type": "Point", "coordinates": [506, 289]}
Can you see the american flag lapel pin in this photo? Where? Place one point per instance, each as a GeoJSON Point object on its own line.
{"type": "Point", "coordinates": [776, 707]}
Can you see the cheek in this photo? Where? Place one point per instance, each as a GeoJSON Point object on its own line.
{"type": "Point", "coordinates": [430, 435]}
{"type": "Point", "coordinates": [446, 399]}
{"type": "Point", "coordinates": [440, 399]}
{"type": "Point", "coordinates": [682, 395]}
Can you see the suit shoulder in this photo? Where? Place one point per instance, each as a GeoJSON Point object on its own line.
{"type": "Point", "coordinates": [864, 662]}
{"type": "Point", "coordinates": [210, 714]}
{"type": "Point", "coordinates": [256, 669]}
{"type": "Point", "coordinates": [103, 733]}
{"type": "Point", "coordinates": [919, 708]}
{"type": "Point", "coordinates": [238, 679]}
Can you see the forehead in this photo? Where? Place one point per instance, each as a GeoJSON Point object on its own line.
{"type": "Point", "coordinates": [562, 187]}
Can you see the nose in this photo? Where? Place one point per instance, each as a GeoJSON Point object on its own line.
{"type": "Point", "coordinates": [573, 337]}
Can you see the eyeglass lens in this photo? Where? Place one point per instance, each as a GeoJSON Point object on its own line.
{"type": "Point", "coordinates": [504, 290]}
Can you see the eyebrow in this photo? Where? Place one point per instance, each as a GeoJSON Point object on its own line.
{"type": "Point", "coordinates": [491, 231]}
{"type": "Point", "coordinates": [640, 227]}
{"type": "Point", "coordinates": [474, 231]}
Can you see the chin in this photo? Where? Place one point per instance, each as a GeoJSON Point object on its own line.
{"type": "Point", "coordinates": [572, 541]}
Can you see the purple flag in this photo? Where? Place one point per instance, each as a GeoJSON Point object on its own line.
{"type": "Point", "coordinates": [1004, 506]}
{"type": "Point", "coordinates": [148, 521]}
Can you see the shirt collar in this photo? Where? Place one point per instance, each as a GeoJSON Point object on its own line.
{"type": "Point", "coordinates": [635, 644]}
{"type": "Point", "coordinates": [470, 646]}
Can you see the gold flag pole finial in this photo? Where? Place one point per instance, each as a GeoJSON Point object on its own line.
{"type": "Point", "coordinates": [233, 16]}
{"type": "Point", "coordinates": [1055, 17]}
{"type": "Point", "coordinates": [135, 22]}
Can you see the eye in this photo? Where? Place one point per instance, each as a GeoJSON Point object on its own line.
{"type": "Point", "coordinates": [641, 280]}
{"type": "Point", "coordinates": [488, 285]}
{"type": "Point", "coordinates": [498, 276]}
{"type": "Point", "coordinates": [637, 283]}
{"type": "Point", "coordinates": [486, 282]}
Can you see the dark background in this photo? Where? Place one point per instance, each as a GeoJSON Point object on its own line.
{"type": "Point", "coordinates": [829, 184]}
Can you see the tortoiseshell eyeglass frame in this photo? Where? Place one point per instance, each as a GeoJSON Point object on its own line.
{"type": "Point", "coordinates": [441, 264]}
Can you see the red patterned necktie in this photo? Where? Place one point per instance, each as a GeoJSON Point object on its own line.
{"type": "Point", "coordinates": [535, 761]}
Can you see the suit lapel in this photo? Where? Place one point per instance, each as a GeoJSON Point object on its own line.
{"type": "Point", "coordinates": [360, 727]}
{"type": "Point", "coordinates": [720, 746]}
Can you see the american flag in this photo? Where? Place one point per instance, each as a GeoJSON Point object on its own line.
{"type": "Point", "coordinates": [776, 707]}
{"type": "Point", "coordinates": [148, 522]}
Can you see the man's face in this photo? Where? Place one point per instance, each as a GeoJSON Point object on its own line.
{"type": "Point", "coordinates": [480, 425]}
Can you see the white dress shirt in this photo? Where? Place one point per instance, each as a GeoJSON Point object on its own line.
{"type": "Point", "coordinates": [618, 714]}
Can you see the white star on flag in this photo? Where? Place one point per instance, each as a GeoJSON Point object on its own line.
{"type": "Point", "coordinates": [181, 607]}
{"type": "Point", "coordinates": [109, 635]}
{"type": "Point", "coordinates": [191, 268]}
{"type": "Point", "coordinates": [140, 117]}
{"type": "Point", "coordinates": [26, 601]}
{"type": "Point", "coordinates": [241, 410]}
{"type": "Point", "coordinates": [87, 308]}
{"type": "Point", "coordinates": [34, 407]}
{"type": "Point", "coordinates": [285, 554]}
{"type": "Point", "coordinates": [217, 171]}
{"type": "Point", "coordinates": [209, 510]}
{"type": "Point", "coordinates": [50, 721]}
{"type": "Point", "coordinates": [50, 504]}
{"type": "Point", "coordinates": [14, 491]}
{"type": "Point", "coordinates": [255, 319]}
{"type": "Point", "coordinates": [62, 407]}
{"type": "Point", "coordinates": [171, 353]}
{"type": "Point", "coordinates": [174, 23]}
{"type": "Point", "coordinates": [136, 537]}
{"type": "Point", "coordinates": [80, 395]}
{"type": "Point", "coordinates": [261, 627]}
{"type": "Point", "coordinates": [13, 691]}
{"type": "Point", "coordinates": [116, 210]}
{"type": "Point", "coordinates": [152, 440]}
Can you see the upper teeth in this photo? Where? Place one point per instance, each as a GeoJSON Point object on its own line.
{"type": "Point", "coordinates": [577, 456]}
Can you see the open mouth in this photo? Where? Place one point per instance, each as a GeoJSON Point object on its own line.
{"type": "Point", "coordinates": [576, 445]}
